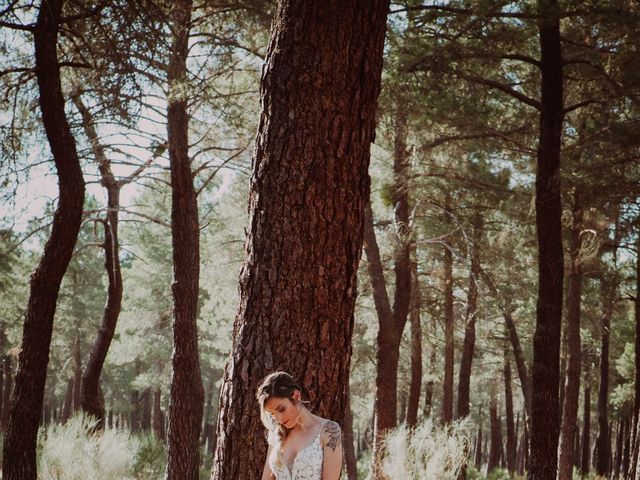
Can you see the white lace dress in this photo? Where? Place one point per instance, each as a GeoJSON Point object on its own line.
{"type": "Point", "coordinates": [306, 466]}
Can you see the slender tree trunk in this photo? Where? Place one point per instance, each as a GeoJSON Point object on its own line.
{"type": "Point", "coordinates": [586, 423]}
{"type": "Point", "coordinates": [603, 460]}
{"type": "Point", "coordinates": [617, 458]}
{"type": "Point", "coordinates": [90, 398]}
{"type": "Point", "coordinates": [67, 408]}
{"type": "Point", "coordinates": [546, 343]}
{"type": "Point", "coordinates": [496, 433]}
{"type": "Point", "coordinates": [626, 446]}
{"type": "Point", "coordinates": [447, 385]}
{"type": "Point", "coordinates": [636, 402]}
{"type": "Point", "coordinates": [306, 210]}
{"type": "Point", "coordinates": [468, 346]}
{"type": "Point", "coordinates": [391, 320]}
{"type": "Point", "coordinates": [523, 375]}
{"type": "Point", "coordinates": [351, 461]}
{"type": "Point", "coordinates": [77, 375]}
{"type": "Point", "coordinates": [416, 347]}
{"type": "Point", "coordinates": [6, 392]}
{"type": "Point", "coordinates": [134, 417]}
{"type": "Point", "coordinates": [478, 455]}
{"type": "Point", "coordinates": [569, 424]}
{"type": "Point", "coordinates": [433, 357]}
{"type": "Point", "coordinates": [158, 416]}
{"type": "Point", "coordinates": [187, 392]}
{"type": "Point", "coordinates": [19, 451]}
{"type": "Point", "coordinates": [146, 401]}
{"type": "Point", "coordinates": [510, 457]}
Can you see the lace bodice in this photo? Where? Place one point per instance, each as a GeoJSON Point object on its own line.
{"type": "Point", "coordinates": [306, 466]}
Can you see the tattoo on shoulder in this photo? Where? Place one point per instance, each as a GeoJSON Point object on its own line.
{"type": "Point", "coordinates": [332, 434]}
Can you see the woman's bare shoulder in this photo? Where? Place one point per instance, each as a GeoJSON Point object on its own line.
{"type": "Point", "coordinates": [331, 434]}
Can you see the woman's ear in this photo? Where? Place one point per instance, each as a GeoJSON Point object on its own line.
{"type": "Point", "coordinates": [296, 395]}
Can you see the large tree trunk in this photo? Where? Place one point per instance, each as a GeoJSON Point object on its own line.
{"type": "Point", "coordinates": [447, 383]}
{"type": "Point", "coordinates": [309, 187]}
{"type": "Point", "coordinates": [468, 346]}
{"type": "Point", "coordinates": [416, 347]}
{"type": "Point", "coordinates": [586, 423]}
{"type": "Point", "coordinates": [187, 392]}
{"type": "Point", "coordinates": [546, 343]}
{"type": "Point", "coordinates": [19, 452]}
{"type": "Point", "coordinates": [90, 397]}
{"type": "Point", "coordinates": [569, 424]}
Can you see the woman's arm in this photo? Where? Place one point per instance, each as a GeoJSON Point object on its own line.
{"type": "Point", "coordinates": [267, 474]}
{"type": "Point", "coordinates": [331, 438]}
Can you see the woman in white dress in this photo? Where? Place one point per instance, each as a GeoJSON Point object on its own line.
{"type": "Point", "coordinates": [302, 446]}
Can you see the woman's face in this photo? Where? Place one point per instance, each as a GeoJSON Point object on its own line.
{"type": "Point", "coordinates": [284, 410]}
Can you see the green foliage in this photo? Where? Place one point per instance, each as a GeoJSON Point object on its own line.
{"type": "Point", "coordinates": [150, 461]}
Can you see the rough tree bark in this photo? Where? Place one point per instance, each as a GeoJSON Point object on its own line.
{"type": "Point", "coordinates": [186, 391]}
{"type": "Point", "coordinates": [6, 391]}
{"type": "Point", "coordinates": [309, 186]}
{"type": "Point", "coordinates": [19, 452]}
{"type": "Point", "coordinates": [545, 416]}
{"type": "Point", "coordinates": [569, 424]}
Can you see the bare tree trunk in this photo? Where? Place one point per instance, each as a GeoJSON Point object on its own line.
{"type": "Point", "coordinates": [636, 401]}
{"type": "Point", "coordinates": [546, 343]}
{"type": "Point", "coordinates": [617, 458]}
{"type": "Point", "coordinates": [510, 459]}
{"type": "Point", "coordinates": [416, 347]}
{"type": "Point", "coordinates": [496, 433]}
{"type": "Point", "coordinates": [19, 451]}
{"type": "Point", "coordinates": [468, 346]}
{"type": "Point", "coordinates": [478, 456]}
{"type": "Point", "coordinates": [433, 357]}
{"type": "Point", "coordinates": [447, 384]}
{"type": "Point", "coordinates": [603, 460]}
{"type": "Point", "coordinates": [67, 408]}
{"type": "Point", "coordinates": [586, 423]}
{"type": "Point", "coordinates": [6, 392]}
{"type": "Point", "coordinates": [158, 415]}
{"type": "Point", "coordinates": [569, 424]}
{"type": "Point", "coordinates": [307, 198]}
{"type": "Point", "coordinates": [187, 392]}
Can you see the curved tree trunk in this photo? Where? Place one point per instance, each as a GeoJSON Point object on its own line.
{"type": "Point", "coordinates": [19, 452]}
{"type": "Point", "coordinates": [186, 392]}
{"type": "Point", "coordinates": [89, 391]}
{"type": "Point", "coordinates": [546, 342]}
{"type": "Point", "coordinates": [569, 424]}
{"type": "Point", "coordinates": [309, 187]}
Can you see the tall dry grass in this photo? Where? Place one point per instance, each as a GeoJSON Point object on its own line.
{"type": "Point", "coordinates": [426, 452]}
{"type": "Point", "coordinates": [72, 452]}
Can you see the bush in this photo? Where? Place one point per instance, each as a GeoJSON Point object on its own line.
{"type": "Point", "coordinates": [72, 452]}
{"type": "Point", "coordinates": [426, 452]}
{"type": "Point", "coordinates": [150, 461]}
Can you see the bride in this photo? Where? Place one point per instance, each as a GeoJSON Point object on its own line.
{"type": "Point", "coordinates": [302, 446]}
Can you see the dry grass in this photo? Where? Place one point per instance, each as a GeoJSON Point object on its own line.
{"type": "Point", "coordinates": [426, 452]}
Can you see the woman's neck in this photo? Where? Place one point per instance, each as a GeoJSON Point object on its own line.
{"type": "Point", "coordinates": [305, 421]}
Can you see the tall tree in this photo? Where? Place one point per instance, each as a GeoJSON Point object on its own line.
{"type": "Point", "coordinates": [306, 203]}
{"type": "Point", "coordinates": [546, 342]}
{"type": "Point", "coordinates": [187, 391]}
{"type": "Point", "coordinates": [572, 335]}
{"type": "Point", "coordinates": [19, 451]}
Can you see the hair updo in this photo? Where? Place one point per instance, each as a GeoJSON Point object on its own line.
{"type": "Point", "coordinates": [275, 385]}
